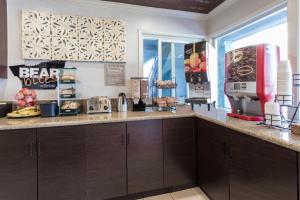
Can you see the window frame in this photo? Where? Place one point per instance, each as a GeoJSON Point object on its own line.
{"type": "Point", "coordinates": [161, 38]}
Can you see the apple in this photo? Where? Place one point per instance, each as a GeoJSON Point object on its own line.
{"type": "Point", "coordinates": [21, 103]}
{"type": "Point", "coordinates": [19, 96]}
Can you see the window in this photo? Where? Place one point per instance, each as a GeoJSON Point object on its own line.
{"type": "Point", "coordinates": [163, 59]}
{"type": "Point", "coordinates": [271, 30]}
{"type": "Point", "coordinates": [267, 36]}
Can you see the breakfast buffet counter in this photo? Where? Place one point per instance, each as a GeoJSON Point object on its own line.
{"type": "Point", "coordinates": [217, 116]}
{"type": "Point", "coordinates": [84, 119]}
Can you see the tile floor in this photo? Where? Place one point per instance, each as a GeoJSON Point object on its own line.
{"type": "Point", "coordinates": [190, 194]}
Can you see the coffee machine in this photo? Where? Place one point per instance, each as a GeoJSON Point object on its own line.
{"type": "Point", "coordinates": [250, 80]}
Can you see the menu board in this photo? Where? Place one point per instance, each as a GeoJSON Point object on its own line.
{"type": "Point", "coordinates": [114, 74]}
{"type": "Point", "coordinates": [40, 77]}
{"type": "Point", "coordinates": [195, 56]}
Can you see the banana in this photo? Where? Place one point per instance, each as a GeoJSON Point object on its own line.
{"type": "Point", "coordinates": [25, 112]}
{"type": "Point", "coordinates": [28, 108]}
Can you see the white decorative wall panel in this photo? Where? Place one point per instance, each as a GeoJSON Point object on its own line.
{"type": "Point", "coordinates": [63, 37]}
{"type": "Point", "coordinates": [90, 27]}
{"type": "Point", "coordinates": [36, 23]}
{"type": "Point", "coordinates": [114, 40]}
{"type": "Point", "coordinates": [64, 48]}
{"type": "Point", "coordinates": [36, 47]}
{"type": "Point", "coordinates": [64, 26]}
{"type": "Point", "coordinates": [91, 50]}
{"type": "Point", "coordinates": [91, 47]}
{"type": "Point", "coordinates": [36, 35]}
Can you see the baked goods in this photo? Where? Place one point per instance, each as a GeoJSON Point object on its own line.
{"type": "Point", "coordinates": [67, 105]}
{"type": "Point", "coordinates": [165, 84]}
{"type": "Point", "coordinates": [68, 77]}
{"type": "Point", "coordinates": [68, 92]}
{"type": "Point", "coordinates": [161, 102]}
{"type": "Point", "coordinates": [171, 101]}
{"type": "Point", "coordinates": [165, 102]}
{"type": "Point", "coordinates": [295, 129]}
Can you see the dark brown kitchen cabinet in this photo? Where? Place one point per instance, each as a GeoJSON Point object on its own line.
{"type": "Point", "coordinates": [3, 39]}
{"type": "Point", "coordinates": [144, 156]}
{"type": "Point", "coordinates": [105, 146]}
{"type": "Point", "coordinates": [298, 174]}
{"type": "Point", "coordinates": [18, 171]}
{"type": "Point", "coordinates": [61, 163]}
{"type": "Point", "coordinates": [213, 146]}
{"type": "Point", "coordinates": [179, 151]}
{"type": "Point", "coordinates": [260, 170]}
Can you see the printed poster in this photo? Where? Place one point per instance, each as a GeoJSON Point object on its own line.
{"type": "Point", "coordinates": [195, 65]}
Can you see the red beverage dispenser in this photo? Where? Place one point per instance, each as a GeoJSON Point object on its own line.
{"type": "Point", "coordinates": [250, 80]}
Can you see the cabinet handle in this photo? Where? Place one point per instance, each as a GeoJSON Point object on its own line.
{"type": "Point", "coordinates": [31, 149]}
{"type": "Point", "coordinates": [225, 148]}
{"type": "Point", "coordinates": [229, 151]}
{"type": "Point", "coordinates": [128, 138]}
{"type": "Point", "coordinates": [38, 148]}
{"type": "Point", "coordinates": [123, 139]}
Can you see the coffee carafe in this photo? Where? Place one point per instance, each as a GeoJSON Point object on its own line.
{"type": "Point", "coordinates": [122, 103]}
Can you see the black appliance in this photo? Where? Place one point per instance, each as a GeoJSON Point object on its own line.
{"type": "Point", "coordinates": [5, 108]}
{"type": "Point", "coordinates": [49, 109]}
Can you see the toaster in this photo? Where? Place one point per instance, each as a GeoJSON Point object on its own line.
{"type": "Point", "coordinates": [98, 105]}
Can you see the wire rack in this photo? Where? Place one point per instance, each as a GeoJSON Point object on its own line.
{"type": "Point", "coordinates": [155, 89]}
{"type": "Point", "coordinates": [284, 101]}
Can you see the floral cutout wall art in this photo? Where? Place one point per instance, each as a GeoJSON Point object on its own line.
{"type": "Point", "coordinates": [48, 36]}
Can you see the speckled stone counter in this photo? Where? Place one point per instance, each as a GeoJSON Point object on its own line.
{"type": "Point", "coordinates": [282, 138]}
{"type": "Point", "coordinates": [276, 136]}
{"type": "Point", "coordinates": [39, 122]}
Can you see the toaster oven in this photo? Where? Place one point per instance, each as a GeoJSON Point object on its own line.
{"type": "Point", "coordinates": [98, 105]}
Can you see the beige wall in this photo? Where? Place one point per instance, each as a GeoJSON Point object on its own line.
{"type": "Point", "coordinates": [293, 40]}
{"type": "Point", "coordinates": [238, 14]}
{"type": "Point", "coordinates": [91, 78]}
{"type": "Point", "coordinates": [91, 75]}
{"type": "Point", "coordinates": [293, 27]}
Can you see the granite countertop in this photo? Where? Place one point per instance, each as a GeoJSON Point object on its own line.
{"type": "Point", "coordinates": [275, 136]}
{"type": "Point", "coordinates": [83, 119]}
{"type": "Point", "coordinates": [218, 116]}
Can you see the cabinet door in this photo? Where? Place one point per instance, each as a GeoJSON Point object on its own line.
{"type": "Point", "coordinates": [106, 160]}
{"type": "Point", "coordinates": [18, 165]}
{"type": "Point", "coordinates": [261, 171]}
{"type": "Point", "coordinates": [144, 156]}
{"type": "Point", "coordinates": [213, 143]}
{"type": "Point", "coordinates": [61, 163]}
{"type": "Point", "coordinates": [179, 152]}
